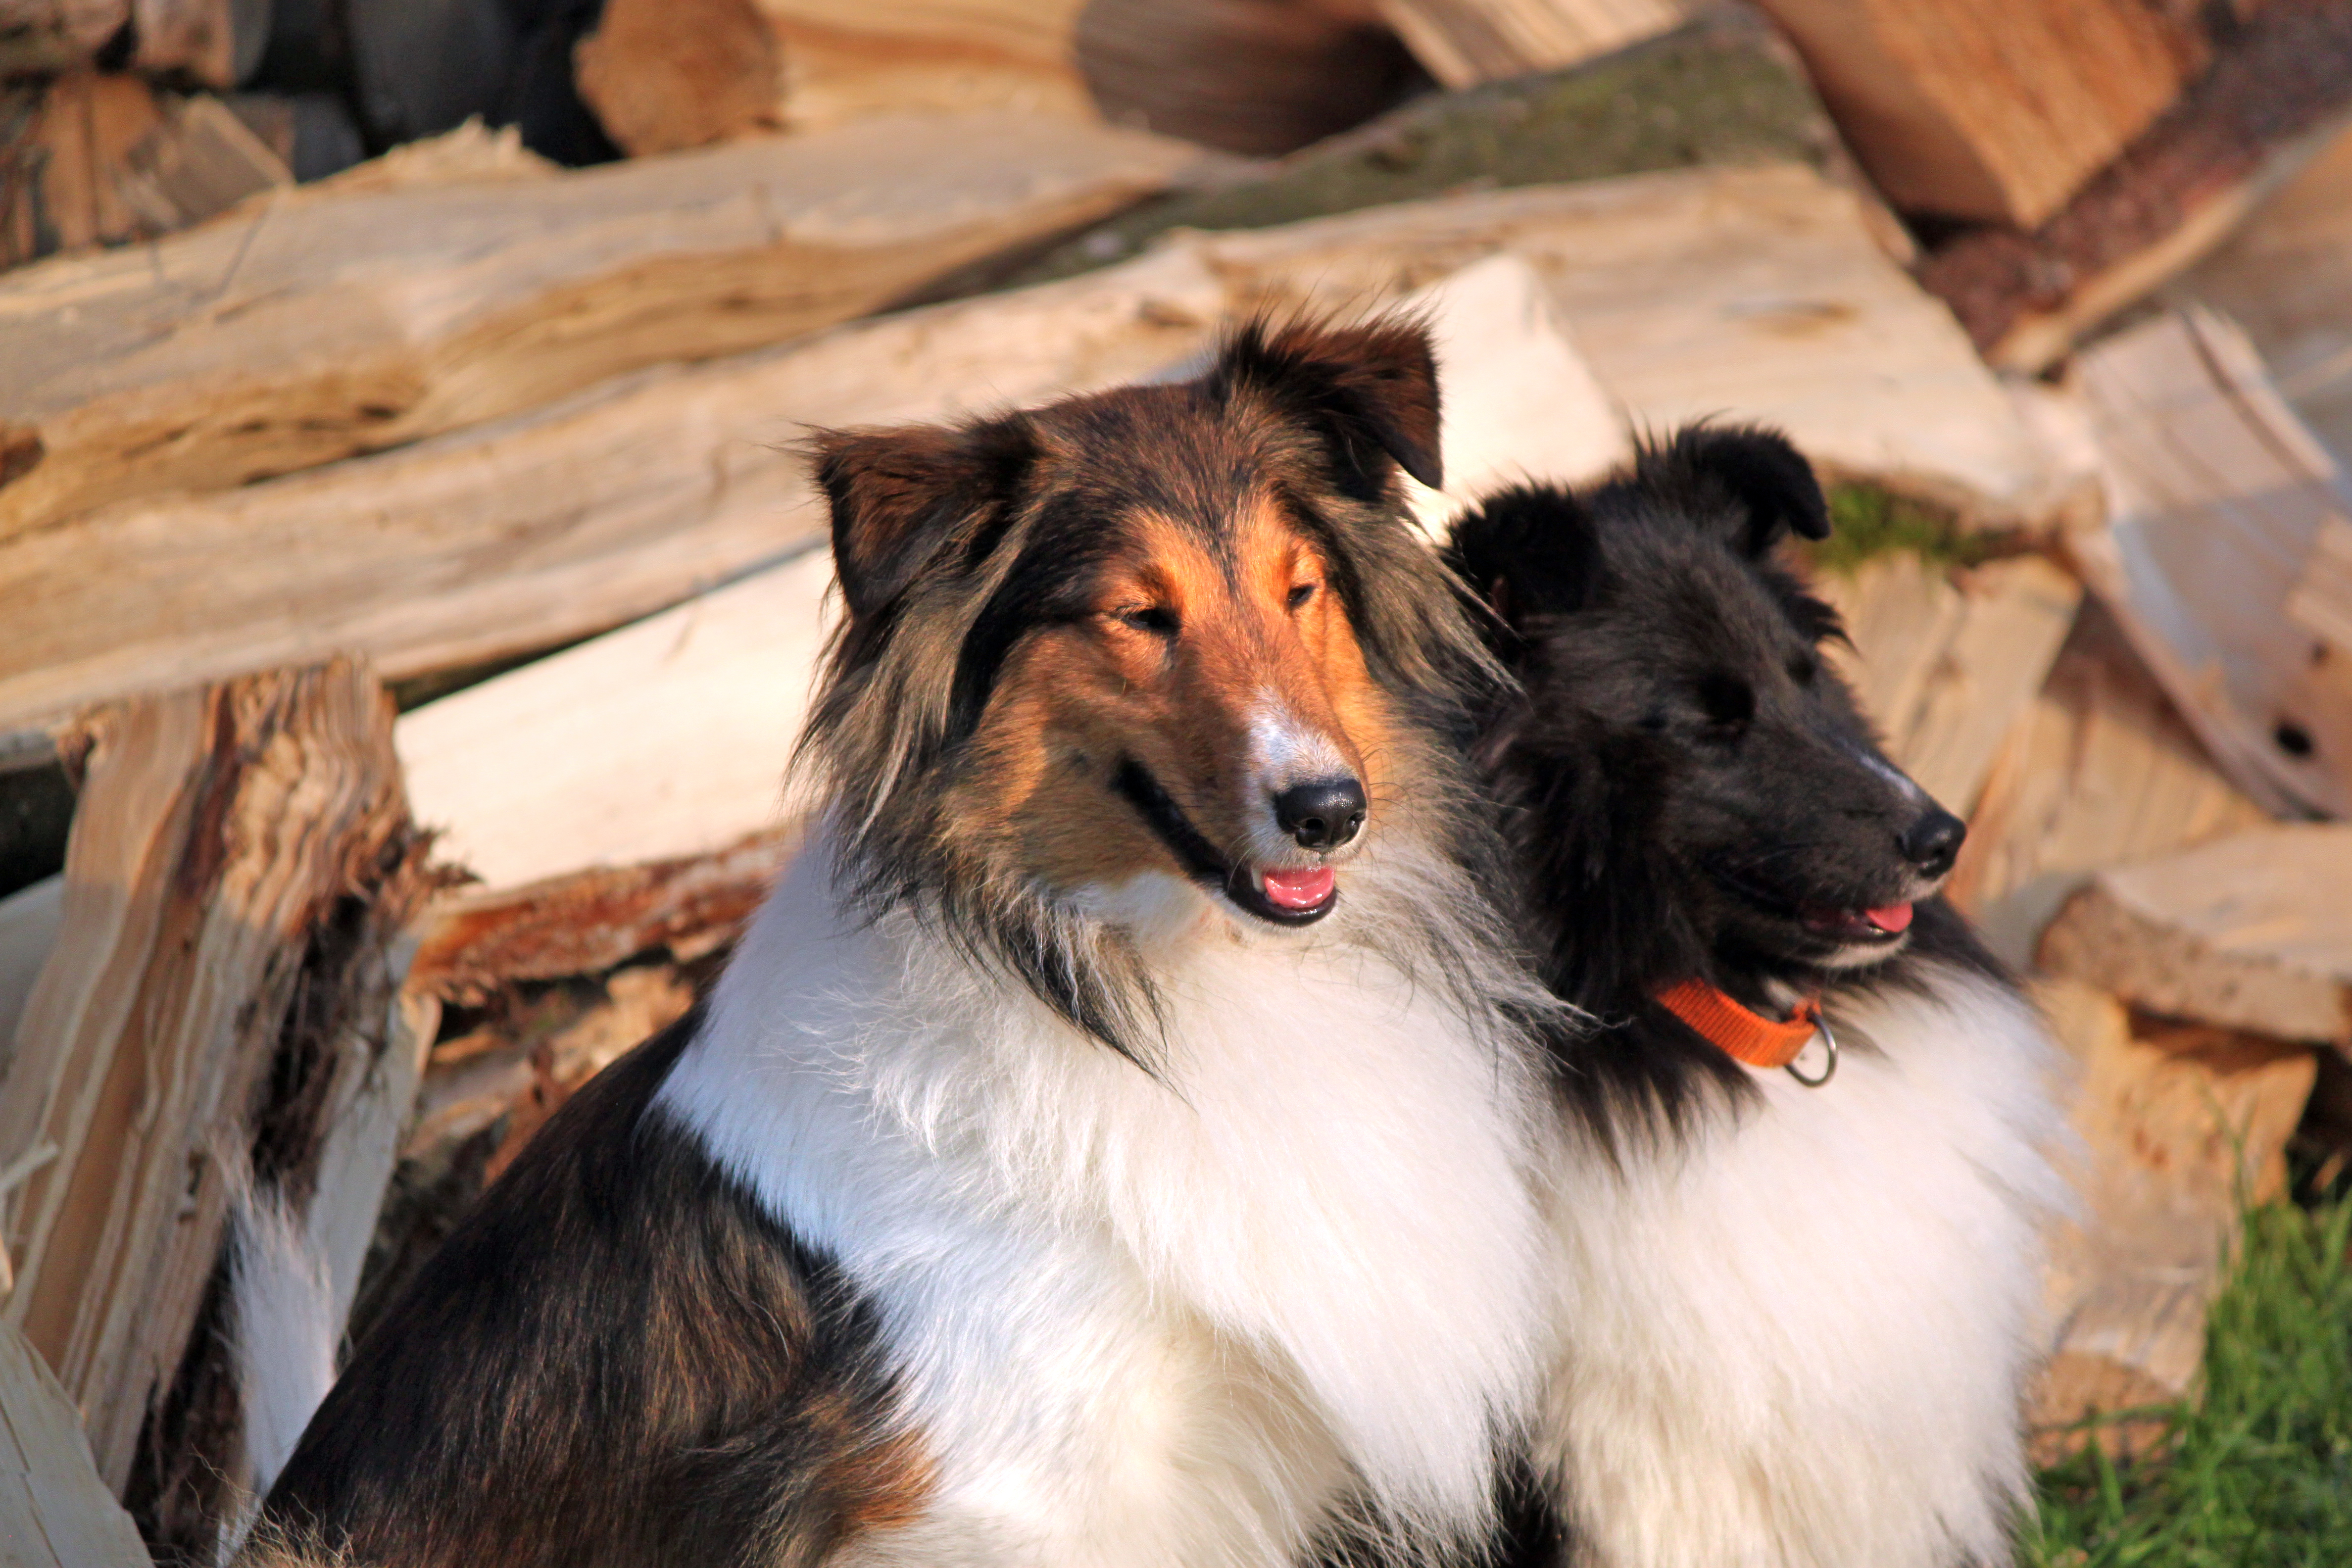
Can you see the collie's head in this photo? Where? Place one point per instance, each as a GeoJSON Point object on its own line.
{"type": "Point", "coordinates": [1701, 793]}
{"type": "Point", "coordinates": [1141, 658]}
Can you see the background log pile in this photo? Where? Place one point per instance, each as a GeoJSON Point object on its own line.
{"type": "Point", "coordinates": [410, 591]}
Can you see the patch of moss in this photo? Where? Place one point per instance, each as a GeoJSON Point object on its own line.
{"type": "Point", "coordinates": [1867, 520]}
{"type": "Point", "coordinates": [1717, 91]}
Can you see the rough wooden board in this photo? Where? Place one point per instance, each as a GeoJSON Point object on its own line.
{"type": "Point", "coordinates": [2179, 1128]}
{"type": "Point", "coordinates": [2218, 499]}
{"type": "Point", "coordinates": [1463, 42]}
{"type": "Point", "coordinates": [1254, 76]}
{"type": "Point", "coordinates": [664, 75]}
{"type": "Point", "coordinates": [2253, 931]}
{"type": "Point", "coordinates": [549, 526]}
{"type": "Point", "coordinates": [667, 737]}
{"type": "Point", "coordinates": [54, 1512]}
{"type": "Point", "coordinates": [2285, 276]}
{"type": "Point", "coordinates": [218, 828]}
{"type": "Point", "coordinates": [2100, 770]}
{"type": "Point", "coordinates": [1521, 402]}
{"type": "Point", "coordinates": [2247, 124]}
{"type": "Point", "coordinates": [1996, 113]}
{"type": "Point", "coordinates": [328, 321]}
{"type": "Point", "coordinates": [1749, 293]}
{"type": "Point", "coordinates": [1946, 660]}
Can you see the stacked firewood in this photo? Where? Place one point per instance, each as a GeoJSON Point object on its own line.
{"type": "Point", "coordinates": [412, 590]}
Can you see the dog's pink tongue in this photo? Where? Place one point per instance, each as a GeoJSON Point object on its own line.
{"type": "Point", "coordinates": [1300, 889]}
{"type": "Point", "coordinates": [1893, 918]}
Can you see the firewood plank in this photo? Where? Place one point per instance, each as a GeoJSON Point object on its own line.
{"type": "Point", "coordinates": [1465, 42]}
{"type": "Point", "coordinates": [54, 1512]}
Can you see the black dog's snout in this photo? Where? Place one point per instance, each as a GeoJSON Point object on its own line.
{"type": "Point", "coordinates": [1322, 814]}
{"type": "Point", "coordinates": [1933, 842]}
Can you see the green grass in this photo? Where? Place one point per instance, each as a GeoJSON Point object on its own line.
{"type": "Point", "coordinates": [2258, 1472]}
{"type": "Point", "coordinates": [1867, 520]}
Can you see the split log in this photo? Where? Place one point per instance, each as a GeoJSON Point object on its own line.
{"type": "Point", "coordinates": [29, 919]}
{"type": "Point", "coordinates": [2181, 1127]}
{"type": "Point", "coordinates": [346, 317]}
{"type": "Point", "coordinates": [2286, 277]}
{"type": "Point", "coordinates": [551, 526]}
{"type": "Point", "coordinates": [1999, 113]}
{"type": "Point", "coordinates": [663, 76]}
{"type": "Point", "coordinates": [54, 1511]}
{"type": "Point", "coordinates": [1756, 293]}
{"type": "Point", "coordinates": [1463, 42]}
{"type": "Point", "coordinates": [219, 43]}
{"type": "Point", "coordinates": [1948, 660]}
{"type": "Point", "coordinates": [2252, 933]}
{"type": "Point", "coordinates": [239, 866]}
{"type": "Point", "coordinates": [845, 62]}
{"type": "Point", "coordinates": [2227, 554]}
{"type": "Point", "coordinates": [200, 160]}
{"type": "Point", "coordinates": [44, 37]}
{"type": "Point", "coordinates": [2250, 124]}
{"type": "Point", "coordinates": [68, 194]}
{"type": "Point", "coordinates": [1258, 76]}
{"type": "Point", "coordinates": [2100, 770]}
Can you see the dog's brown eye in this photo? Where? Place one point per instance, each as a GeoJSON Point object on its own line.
{"type": "Point", "coordinates": [1300, 593]}
{"type": "Point", "coordinates": [1158, 618]}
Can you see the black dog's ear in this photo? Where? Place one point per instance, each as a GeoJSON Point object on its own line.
{"type": "Point", "coordinates": [1529, 551]}
{"type": "Point", "coordinates": [899, 495]}
{"type": "Point", "coordinates": [1768, 479]}
{"type": "Point", "coordinates": [1369, 392]}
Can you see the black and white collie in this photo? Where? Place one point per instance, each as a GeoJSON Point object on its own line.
{"type": "Point", "coordinates": [1795, 1313]}
{"type": "Point", "coordinates": [1113, 1142]}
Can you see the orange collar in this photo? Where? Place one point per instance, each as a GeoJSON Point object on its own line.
{"type": "Point", "coordinates": [1741, 1034]}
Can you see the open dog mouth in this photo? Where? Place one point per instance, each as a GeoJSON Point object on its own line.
{"type": "Point", "coordinates": [1851, 924]}
{"type": "Point", "coordinates": [1290, 896]}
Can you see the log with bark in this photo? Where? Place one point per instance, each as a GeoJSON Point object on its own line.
{"type": "Point", "coordinates": [217, 999]}
{"type": "Point", "coordinates": [2251, 932]}
{"type": "Point", "coordinates": [346, 317]}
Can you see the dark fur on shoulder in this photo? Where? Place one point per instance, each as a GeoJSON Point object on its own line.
{"type": "Point", "coordinates": [953, 543]}
{"type": "Point", "coordinates": [618, 1359]}
{"type": "Point", "coordinates": [1693, 792]}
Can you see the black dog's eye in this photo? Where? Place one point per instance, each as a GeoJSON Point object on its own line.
{"type": "Point", "coordinates": [1156, 618]}
{"type": "Point", "coordinates": [1726, 701]}
{"type": "Point", "coordinates": [1299, 594]}
{"type": "Point", "coordinates": [1803, 668]}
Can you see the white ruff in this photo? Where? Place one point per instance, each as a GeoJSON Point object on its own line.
{"type": "Point", "coordinates": [1799, 1342]}
{"type": "Point", "coordinates": [1142, 1321]}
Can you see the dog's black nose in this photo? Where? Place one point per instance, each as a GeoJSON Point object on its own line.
{"type": "Point", "coordinates": [1933, 842]}
{"type": "Point", "coordinates": [1322, 814]}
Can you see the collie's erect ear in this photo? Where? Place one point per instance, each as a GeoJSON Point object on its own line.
{"type": "Point", "coordinates": [1369, 393]}
{"type": "Point", "coordinates": [1527, 551]}
{"type": "Point", "coordinates": [1767, 477]}
{"type": "Point", "coordinates": [899, 495]}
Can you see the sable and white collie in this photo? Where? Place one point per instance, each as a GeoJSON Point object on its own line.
{"type": "Point", "coordinates": [1114, 1142]}
{"type": "Point", "coordinates": [1796, 1305]}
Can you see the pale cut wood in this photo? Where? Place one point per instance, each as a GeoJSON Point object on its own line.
{"type": "Point", "coordinates": [664, 75]}
{"type": "Point", "coordinates": [2285, 276]}
{"type": "Point", "coordinates": [219, 829]}
{"type": "Point", "coordinates": [1946, 661]}
{"type": "Point", "coordinates": [2179, 1128]}
{"type": "Point", "coordinates": [45, 37]}
{"type": "Point", "coordinates": [336, 320]}
{"type": "Point", "coordinates": [1988, 111]}
{"type": "Point", "coordinates": [1756, 293]}
{"type": "Point", "coordinates": [2100, 770]}
{"type": "Point", "coordinates": [1465, 42]}
{"type": "Point", "coordinates": [2253, 931]}
{"type": "Point", "coordinates": [2218, 499]}
{"type": "Point", "coordinates": [1520, 403]}
{"type": "Point", "coordinates": [553, 525]}
{"type": "Point", "coordinates": [55, 1512]}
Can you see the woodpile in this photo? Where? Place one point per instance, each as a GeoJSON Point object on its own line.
{"type": "Point", "coordinates": [517, 443]}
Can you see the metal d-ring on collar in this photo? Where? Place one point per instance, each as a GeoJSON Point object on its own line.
{"type": "Point", "coordinates": [1828, 1043]}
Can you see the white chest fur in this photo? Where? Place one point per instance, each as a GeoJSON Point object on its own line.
{"type": "Point", "coordinates": [1144, 1319]}
{"type": "Point", "coordinates": [1798, 1343]}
